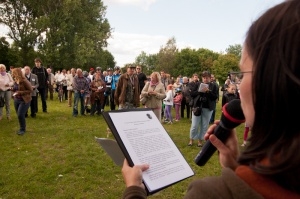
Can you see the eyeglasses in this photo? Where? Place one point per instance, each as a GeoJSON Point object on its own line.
{"type": "Point", "coordinates": [240, 74]}
{"type": "Point", "coordinates": [138, 68]}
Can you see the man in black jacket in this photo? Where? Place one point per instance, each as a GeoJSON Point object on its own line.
{"type": "Point", "coordinates": [42, 75]}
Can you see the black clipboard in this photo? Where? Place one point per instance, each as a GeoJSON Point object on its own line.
{"type": "Point", "coordinates": [117, 137]}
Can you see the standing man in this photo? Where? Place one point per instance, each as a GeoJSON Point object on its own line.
{"type": "Point", "coordinates": [80, 87]}
{"type": "Point", "coordinates": [213, 80]}
{"type": "Point", "coordinates": [70, 79]}
{"type": "Point", "coordinates": [42, 75]}
{"type": "Point", "coordinates": [33, 79]}
{"type": "Point", "coordinates": [51, 82]}
{"type": "Point", "coordinates": [142, 77]}
{"type": "Point", "coordinates": [127, 94]}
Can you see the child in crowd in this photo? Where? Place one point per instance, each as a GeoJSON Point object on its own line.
{"type": "Point", "coordinates": [177, 102]}
{"type": "Point", "coordinates": [168, 102]}
{"type": "Point", "coordinates": [230, 94]}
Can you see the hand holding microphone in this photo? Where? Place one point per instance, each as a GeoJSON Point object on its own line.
{"type": "Point", "coordinates": [232, 116]}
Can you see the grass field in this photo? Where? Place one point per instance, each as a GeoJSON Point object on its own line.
{"type": "Point", "coordinates": [58, 157]}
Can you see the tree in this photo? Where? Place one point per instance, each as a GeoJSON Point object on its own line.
{"type": "Point", "coordinates": [77, 31]}
{"type": "Point", "coordinates": [224, 64]}
{"type": "Point", "coordinates": [148, 62]}
{"type": "Point", "coordinates": [166, 56]}
{"type": "Point", "coordinates": [187, 62]}
{"type": "Point", "coordinates": [235, 50]}
{"type": "Point", "coordinates": [4, 48]}
{"type": "Point", "coordinates": [21, 19]}
{"type": "Point", "coordinates": [68, 33]}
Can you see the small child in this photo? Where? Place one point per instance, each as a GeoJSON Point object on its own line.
{"type": "Point", "coordinates": [177, 101]}
{"type": "Point", "coordinates": [230, 94]}
{"type": "Point", "coordinates": [168, 102]}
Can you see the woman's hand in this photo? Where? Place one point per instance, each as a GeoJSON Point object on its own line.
{"type": "Point", "coordinates": [228, 151]}
{"type": "Point", "coordinates": [133, 175]}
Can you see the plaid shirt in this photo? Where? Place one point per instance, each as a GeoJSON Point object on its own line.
{"type": "Point", "coordinates": [80, 83]}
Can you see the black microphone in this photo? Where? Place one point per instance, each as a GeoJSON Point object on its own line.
{"type": "Point", "coordinates": [232, 116]}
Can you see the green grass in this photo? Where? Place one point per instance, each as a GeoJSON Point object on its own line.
{"type": "Point", "coordinates": [58, 157]}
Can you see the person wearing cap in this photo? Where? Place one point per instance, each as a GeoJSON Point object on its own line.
{"type": "Point", "coordinates": [114, 83]}
{"type": "Point", "coordinates": [127, 94]}
{"type": "Point", "coordinates": [99, 70]}
{"type": "Point", "coordinates": [204, 98]}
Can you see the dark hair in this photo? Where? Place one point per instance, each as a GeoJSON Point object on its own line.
{"type": "Point", "coordinates": [273, 44]}
{"type": "Point", "coordinates": [37, 60]}
{"type": "Point", "coordinates": [206, 74]}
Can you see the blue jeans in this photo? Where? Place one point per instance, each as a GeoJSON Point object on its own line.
{"type": "Point", "coordinates": [78, 96]}
{"type": "Point", "coordinates": [21, 108]}
{"type": "Point", "coordinates": [7, 97]}
{"type": "Point", "coordinates": [200, 124]}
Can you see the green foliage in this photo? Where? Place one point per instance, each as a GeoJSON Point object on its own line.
{"type": "Point", "coordinates": [58, 157]}
{"type": "Point", "coordinates": [224, 64]}
{"type": "Point", "coordinates": [67, 33]}
{"type": "Point", "coordinates": [235, 50]}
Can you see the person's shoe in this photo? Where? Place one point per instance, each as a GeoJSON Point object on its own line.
{"type": "Point", "coordinates": [26, 115]}
{"type": "Point", "coordinates": [75, 115]}
{"type": "Point", "coordinates": [244, 144]}
{"type": "Point", "coordinates": [33, 115]}
{"type": "Point", "coordinates": [20, 132]}
{"type": "Point", "coordinates": [9, 118]}
{"type": "Point", "coordinates": [190, 144]}
{"type": "Point", "coordinates": [170, 122]}
{"type": "Point", "coordinates": [199, 145]}
{"type": "Point", "coordinates": [45, 111]}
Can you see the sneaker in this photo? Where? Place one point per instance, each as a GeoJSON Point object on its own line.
{"type": "Point", "coordinates": [170, 122]}
{"type": "Point", "coordinates": [20, 132]}
{"type": "Point", "coordinates": [244, 144]}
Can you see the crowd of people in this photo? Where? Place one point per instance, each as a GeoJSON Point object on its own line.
{"type": "Point", "coordinates": [267, 86]}
{"type": "Point", "coordinates": [90, 93]}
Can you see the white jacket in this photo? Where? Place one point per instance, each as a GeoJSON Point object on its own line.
{"type": "Point", "coordinates": [169, 98]}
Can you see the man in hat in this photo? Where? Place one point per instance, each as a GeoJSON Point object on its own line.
{"type": "Point", "coordinates": [127, 94]}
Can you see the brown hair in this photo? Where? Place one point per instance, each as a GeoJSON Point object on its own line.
{"type": "Point", "coordinates": [273, 44]}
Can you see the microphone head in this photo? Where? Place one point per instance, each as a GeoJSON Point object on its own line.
{"type": "Point", "coordinates": [232, 115]}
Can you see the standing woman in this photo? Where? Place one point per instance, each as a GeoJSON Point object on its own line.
{"type": "Point", "coordinates": [98, 88]}
{"type": "Point", "coordinates": [6, 82]}
{"type": "Point", "coordinates": [155, 92]}
{"type": "Point", "coordinates": [22, 97]}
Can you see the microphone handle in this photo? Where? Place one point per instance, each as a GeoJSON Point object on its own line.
{"type": "Point", "coordinates": [208, 149]}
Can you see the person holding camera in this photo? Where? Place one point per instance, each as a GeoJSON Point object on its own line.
{"type": "Point", "coordinates": [204, 95]}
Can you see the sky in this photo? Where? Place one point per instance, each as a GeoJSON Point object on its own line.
{"type": "Point", "coordinates": [147, 25]}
